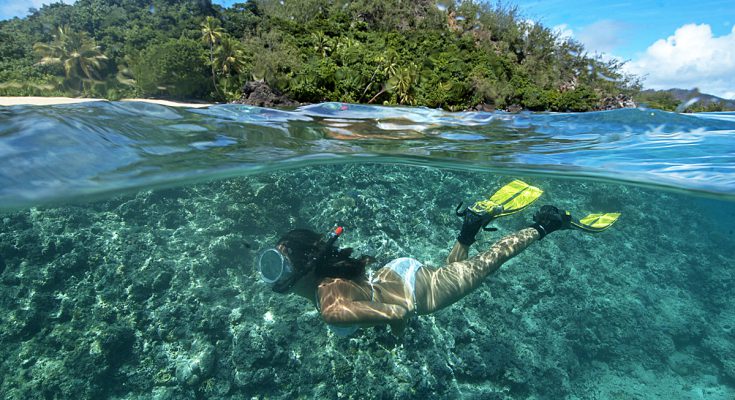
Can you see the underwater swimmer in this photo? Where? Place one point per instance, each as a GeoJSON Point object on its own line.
{"type": "Point", "coordinates": [305, 263]}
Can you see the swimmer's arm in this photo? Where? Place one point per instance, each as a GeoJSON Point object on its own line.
{"type": "Point", "coordinates": [364, 313]}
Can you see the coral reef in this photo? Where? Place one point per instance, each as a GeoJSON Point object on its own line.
{"type": "Point", "coordinates": [154, 295]}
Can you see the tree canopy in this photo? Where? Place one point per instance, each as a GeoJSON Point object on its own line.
{"type": "Point", "coordinates": [453, 55]}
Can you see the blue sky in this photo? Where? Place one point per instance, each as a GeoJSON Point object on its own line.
{"type": "Point", "coordinates": [672, 43]}
{"type": "Point", "coordinates": [627, 28]}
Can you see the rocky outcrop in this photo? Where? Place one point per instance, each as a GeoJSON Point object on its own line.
{"type": "Point", "coordinates": [514, 108]}
{"type": "Point", "coordinates": [485, 107]}
{"type": "Point", "coordinates": [259, 93]}
{"type": "Point", "coordinates": [619, 101]}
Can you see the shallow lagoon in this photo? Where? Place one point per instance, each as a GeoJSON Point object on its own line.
{"type": "Point", "coordinates": [152, 290]}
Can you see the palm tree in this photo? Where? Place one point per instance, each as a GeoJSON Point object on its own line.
{"type": "Point", "coordinates": [388, 66]}
{"type": "Point", "coordinates": [125, 74]}
{"type": "Point", "coordinates": [403, 83]}
{"type": "Point", "coordinates": [211, 35]}
{"type": "Point", "coordinates": [76, 52]}
{"type": "Point", "coordinates": [229, 60]}
{"type": "Point", "coordinates": [230, 56]}
{"type": "Point", "coordinates": [322, 43]}
{"type": "Point", "coordinates": [346, 43]}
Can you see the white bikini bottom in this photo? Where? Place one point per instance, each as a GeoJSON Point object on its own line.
{"type": "Point", "coordinates": [406, 268]}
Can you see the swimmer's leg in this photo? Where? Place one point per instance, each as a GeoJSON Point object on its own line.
{"type": "Point", "coordinates": [439, 288]}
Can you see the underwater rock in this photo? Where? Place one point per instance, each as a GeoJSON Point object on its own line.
{"type": "Point", "coordinates": [171, 393]}
{"type": "Point", "coordinates": [722, 349]}
{"type": "Point", "coordinates": [685, 365]}
{"type": "Point", "coordinates": [191, 371]}
{"type": "Point", "coordinates": [116, 343]}
{"type": "Point", "coordinates": [162, 281]}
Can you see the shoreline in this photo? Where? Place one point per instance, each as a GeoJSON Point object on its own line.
{"type": "Point", "coordinates": [7, 101]}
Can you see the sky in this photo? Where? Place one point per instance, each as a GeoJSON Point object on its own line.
{"type": "Point", "coordinates": [19, 8]}
{"type": "Point", "coordinates": [670, 43]}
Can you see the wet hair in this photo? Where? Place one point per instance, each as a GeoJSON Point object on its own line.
{"type": "Point", "coordinates": [304, 244]}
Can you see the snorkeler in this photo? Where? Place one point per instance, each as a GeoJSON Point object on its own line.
{"type": "Point", "coordinates": [305, 263]}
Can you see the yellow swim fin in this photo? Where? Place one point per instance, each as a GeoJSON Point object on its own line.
{"type": "Point", "coordinates": [596, 222]}
{"type": "Point", "coordinates": [509, 199]}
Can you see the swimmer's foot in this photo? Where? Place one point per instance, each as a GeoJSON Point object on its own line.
{"type": "Point", "coordinates": [596, 222]}
{"type": "Point", "coordinates": [549, 219]}
{"type": "Point", "coordinates": [509, 199]}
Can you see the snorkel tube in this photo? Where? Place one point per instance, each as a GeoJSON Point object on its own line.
{"type": "Point", "coordinates": [327, 250]}
{"type": "Point", "coordinates": [333, 236]}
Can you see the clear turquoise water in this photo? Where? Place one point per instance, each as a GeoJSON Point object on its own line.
{"type": "Point", "coordinates": [52, 153]}
{"type": "Point", "coordinates": [128, 230]}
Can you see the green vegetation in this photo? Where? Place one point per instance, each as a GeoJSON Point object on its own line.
{"type": "Point", "coordinates": [683, 101]}
{"type": "Point", "coordinates": [661, 100]}
{"type": "Point", "coordinates": [453, 55]}
{"type": "Point", "coordinates": [175, 67]}
{"type": "Point", "coordinates": [79, 56]}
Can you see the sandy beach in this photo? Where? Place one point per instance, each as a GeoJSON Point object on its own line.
{"type": "Point", "coordinates": [46, 101]}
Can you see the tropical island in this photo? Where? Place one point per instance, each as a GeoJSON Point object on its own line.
{"type": "Point", "coordinates": [457, 56]}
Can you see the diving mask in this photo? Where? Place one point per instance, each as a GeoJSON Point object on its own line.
{"type": "Point", "coordinates": [277, 271]}
{"type": "Point", "coordinates": [273, 266]}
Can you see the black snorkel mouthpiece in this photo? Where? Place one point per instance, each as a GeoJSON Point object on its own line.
{"type": "Point", "coordinates": [327, 251]}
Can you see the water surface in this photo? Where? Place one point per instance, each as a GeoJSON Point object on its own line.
{"type": "Point", "coordinates": [56, 152]}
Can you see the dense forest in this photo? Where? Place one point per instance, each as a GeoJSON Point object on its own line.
{"type": "Point", "coordinates": [454, 55]}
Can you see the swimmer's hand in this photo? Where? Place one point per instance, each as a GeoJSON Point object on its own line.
{"type": "Point", "coordinates": [398, 326]}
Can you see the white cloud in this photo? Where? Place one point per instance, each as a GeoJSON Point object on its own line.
{"type": "Point", "coordinates": [692, 57]}
{"type": "Point", "coordinates": [603, 36]}
{"type": "Point", "coordinates": [13, 8]}
{"type": "Point", "coordinates": [563, 31]}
